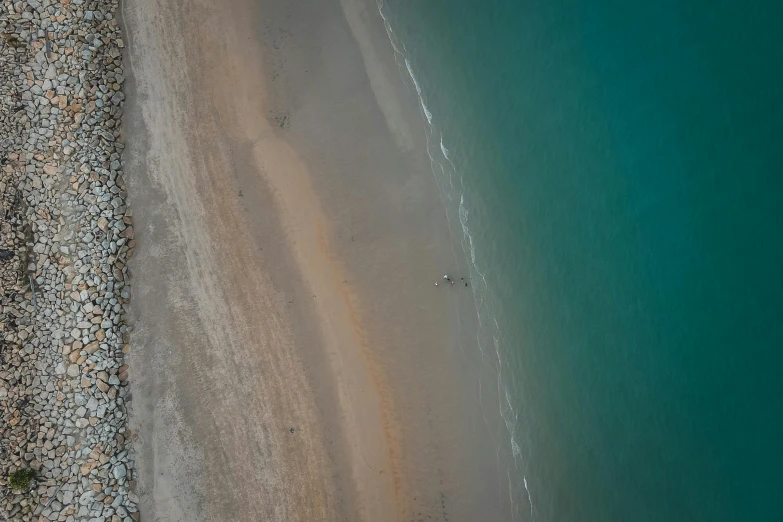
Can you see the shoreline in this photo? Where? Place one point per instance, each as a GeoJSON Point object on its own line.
{"type": "Point", "coordinates": [483, 366]}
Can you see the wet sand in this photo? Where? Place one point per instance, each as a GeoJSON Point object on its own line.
{"type": "Point", "coordinates": [291, 357]}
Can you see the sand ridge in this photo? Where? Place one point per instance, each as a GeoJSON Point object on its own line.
{"type": "Point", "coordinates": [211, 408]}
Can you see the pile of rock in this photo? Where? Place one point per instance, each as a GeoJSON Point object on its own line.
{"type": "Point", "coordinates": [65, 238]}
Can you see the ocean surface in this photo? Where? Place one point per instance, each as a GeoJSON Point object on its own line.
{"type": "Point", "coordinates": [614, 173]}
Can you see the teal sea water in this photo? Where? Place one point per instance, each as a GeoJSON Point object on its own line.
{"type": "Point", "coordinates": [614, 171]}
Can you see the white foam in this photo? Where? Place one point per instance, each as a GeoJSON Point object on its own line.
{"type": "Point", "coordinates": [427, 113]}
{"type": "Point", "coordinates": [444, 150]}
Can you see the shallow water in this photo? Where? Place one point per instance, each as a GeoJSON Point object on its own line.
{"type": "Point", "coordinates": [612, 172]}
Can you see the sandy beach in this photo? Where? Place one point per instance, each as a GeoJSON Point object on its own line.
{"type": "Point", "coordinates": [291, 358]}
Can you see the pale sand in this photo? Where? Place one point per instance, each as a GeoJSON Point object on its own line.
{"type": "Point", "coordinates": [284, 275]}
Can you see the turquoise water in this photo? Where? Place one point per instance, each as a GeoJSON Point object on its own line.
{"type": "Point", "coordinates": [615, 171]}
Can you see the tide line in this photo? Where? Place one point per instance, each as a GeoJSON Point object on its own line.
{"type": "Point", "coordinates": [481, 292]}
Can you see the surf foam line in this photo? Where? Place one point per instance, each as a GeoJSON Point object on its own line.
{"type": "Point", "coordinates": [445, 173]}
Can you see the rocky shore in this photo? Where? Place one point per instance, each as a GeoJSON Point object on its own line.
{"type": "Point", "coordinates": [65, 238]}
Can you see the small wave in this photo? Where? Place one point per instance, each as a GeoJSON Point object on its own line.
{"type": "Point", "coordinates": [529, 498]}
{"type": "Point", "coordinates": [463, 212]}
{"type": "Point", "coordinates": [413, 77]}
{"type": "Point", "coordinates": [463, 220]}
{"type": "Point", "coordinates": [444, 150]}
{"type": "Point", "coordinates": [427, 113]}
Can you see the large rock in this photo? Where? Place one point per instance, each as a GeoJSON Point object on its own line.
{"type": "Point", "coordinates": [119, 471]}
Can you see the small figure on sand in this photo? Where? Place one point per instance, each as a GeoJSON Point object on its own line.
{"type": "Point", "coordinates": [451, 281]}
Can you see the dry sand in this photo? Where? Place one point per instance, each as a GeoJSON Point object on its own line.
{"type": "Point", "coordinates": [291, 360]}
